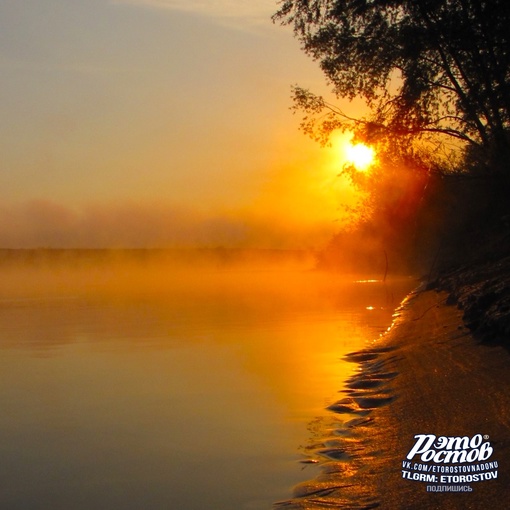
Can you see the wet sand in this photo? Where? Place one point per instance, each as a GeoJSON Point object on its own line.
{"type": "Point", "coordinates": [427, 375]}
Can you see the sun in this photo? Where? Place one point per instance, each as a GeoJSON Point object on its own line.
{"type": "Point", "coordinates": [359, 155]}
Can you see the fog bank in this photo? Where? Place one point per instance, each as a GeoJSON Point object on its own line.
{"type": "Point", "coordinates": [43, 223]}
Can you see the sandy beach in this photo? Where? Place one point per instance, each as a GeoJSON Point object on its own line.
{"type": "Point", "coordinates": [427, 376]}
{"type": "Point", "coordinates": [449, 384]}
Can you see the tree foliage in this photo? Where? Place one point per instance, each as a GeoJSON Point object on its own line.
{"type": "Point", "coordinates": [429, 71]}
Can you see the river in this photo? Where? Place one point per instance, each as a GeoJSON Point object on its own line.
{"type": "Point", "coordinates": [154, 388]}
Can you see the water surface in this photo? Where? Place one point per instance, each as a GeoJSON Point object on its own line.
{"type": "Point", "coordinates": [150, 387]}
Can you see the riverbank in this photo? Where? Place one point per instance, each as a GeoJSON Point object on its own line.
{"type": "Point", "coordinates": [428, 375]}
{"type": "Point", "coordinates": [449, 384]}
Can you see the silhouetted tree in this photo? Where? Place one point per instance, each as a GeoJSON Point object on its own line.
{"type": "Point", "coordinates": [429, 70]}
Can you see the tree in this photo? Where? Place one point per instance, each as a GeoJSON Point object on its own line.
{"type": "Point", "coordinates": [430, 71]}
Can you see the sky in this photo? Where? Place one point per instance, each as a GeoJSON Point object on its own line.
{"type": "Point", "coordinates": [152, 123]}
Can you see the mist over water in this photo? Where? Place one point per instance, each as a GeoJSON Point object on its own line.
{"type": "Point", "coordinates": [45, 223]}
{"type": "Point", "coordinates": [184, 379]}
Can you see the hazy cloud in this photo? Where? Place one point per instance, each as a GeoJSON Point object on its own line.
{"type": "Point", "coordinates": [232, 12]}
{"type": "Point", "coordinates": [43, 223]}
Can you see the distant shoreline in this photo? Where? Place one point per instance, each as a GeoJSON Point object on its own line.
{"type": "Point", "coordinates": [216, 255]}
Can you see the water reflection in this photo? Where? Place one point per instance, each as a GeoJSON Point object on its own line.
{"type": "Point", "coordinates": [130, 388]}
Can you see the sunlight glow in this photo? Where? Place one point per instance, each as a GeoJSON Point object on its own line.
{"type": "Point", "coordinates": [359, 155]}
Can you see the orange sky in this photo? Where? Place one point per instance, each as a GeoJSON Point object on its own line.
{"type": "Point", "coordinates": [157, 123]}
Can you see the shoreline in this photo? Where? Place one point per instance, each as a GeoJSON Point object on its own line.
{"type": "Point", "coordinates": [449, 384]}
{"type": "Point", "coordinates": [427, 375]}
